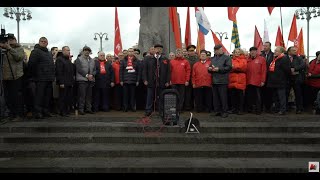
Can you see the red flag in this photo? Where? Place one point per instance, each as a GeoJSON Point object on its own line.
{"type": "Point", "coordinates": [270, 9]}
{"type": "Point", "coordinates": [257, 40]}
{"type": "Point", "coordinates": [173, 16]}
{"type": "Point", "coordinates": [293, 30]}
{"type": "Point", "coordinates": [117, 36]}
{"type": "Point", "coordinates": [217, 41]}
{"type": "Point", "coordinates": [201, 42]}
{"type": "Point", "coordinates": [279, 39]}
{"type": "Point", "coordinates": [299, 43]}
{"type": "Point", "coordinates": [187, 37]}
{"type": "Point", "coordinates": [232, 13]}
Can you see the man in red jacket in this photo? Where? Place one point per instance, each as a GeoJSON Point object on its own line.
{"type": "Point", "coordinates": [180, 75]}
{"type": "Point", "coordinates": [256, 78]}
{"type": "Point", "coordinates": [313, 78]}
{"type": "Point", "coordinates": [201, 82]}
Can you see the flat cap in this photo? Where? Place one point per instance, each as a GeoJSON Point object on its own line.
{"type": "Point", "coordinates": [191, 46]}
{"type": "Point", "coordinates": [158, 45]}
{"type": "Point", "coordinates": [253, 49]}
{"type": "Point", "coordinates": [86, 48]}
{"type": "Point", "coordinates": [218, 46]}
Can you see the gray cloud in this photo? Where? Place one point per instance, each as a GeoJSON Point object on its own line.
{"type": "Point", "coordinates": [247, 18]}
{"type": "Point", "coordinates": [76, 26]}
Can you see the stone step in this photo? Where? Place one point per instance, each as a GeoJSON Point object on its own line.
{"type": "Point", "coordinates": [136, 116]}
{"type": "Point", "coordinates": [206, 127]}
{"type": "Point", "coordinates": [162, 138]}
{"type": "Point", "coordinates": [55, 150]}
{"type": "Point", "coordinates": [155, 165]}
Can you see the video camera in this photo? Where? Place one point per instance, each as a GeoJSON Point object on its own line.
{"type": "Point", "coordinates": [3, 35]}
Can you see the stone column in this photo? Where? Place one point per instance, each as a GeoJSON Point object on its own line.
{"type": "Point", "coordinates": [154, 29]}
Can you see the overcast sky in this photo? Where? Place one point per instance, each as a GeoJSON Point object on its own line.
{"type": "Point", "coordinates": [76, 26]}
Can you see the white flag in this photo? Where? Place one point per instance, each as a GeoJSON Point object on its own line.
{"type": "Point", "coordinates": [265, 33]}
{"type": "Point", "coordinates": [202, 20]}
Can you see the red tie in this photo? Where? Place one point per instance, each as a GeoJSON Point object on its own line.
{"type": "Point", "coordinates": [291, 58]}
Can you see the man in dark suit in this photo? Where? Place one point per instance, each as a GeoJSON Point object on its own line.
{"type": "Point", "coordinates": [129, 79]}
{"type": "Point", "coordinates": [267, 98]}
{"type": "Point", "coordinates": [220, 67]}
{"type": "Point", "coordinates": [141, 90]}
{"type": "Point", "coordinates": [156, 76]}
{"type": "Point", "coordinates": [296, 78]}
{"type": "Point", "coordinates": [277, 76]}
{"type": "Point", "coordinates": [42, 72]}
{"type": "Point", "coordinates": [104, 81]}
{"type": "Point", "coordinates": [65, 80]}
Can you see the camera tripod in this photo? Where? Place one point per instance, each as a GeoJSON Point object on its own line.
{"type": "Point", "coordinates": [2, 104]}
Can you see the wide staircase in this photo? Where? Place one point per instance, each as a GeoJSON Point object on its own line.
{"type": "Point", "coordinates": [117, 142]}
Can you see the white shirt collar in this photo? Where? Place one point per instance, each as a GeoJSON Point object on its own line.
{"type": "Point", "coordinates": [157, 56]}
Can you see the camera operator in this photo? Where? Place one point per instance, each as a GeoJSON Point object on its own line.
{"type": "Point", "coordinates": [12, 76]}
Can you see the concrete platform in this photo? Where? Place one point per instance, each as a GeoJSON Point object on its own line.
{"type": "Point", "coordinates": [159, 150]}
{"type": "Point", "coordinates": [155, 165]}
{"type": "Point", "coordinates": [117, 142]}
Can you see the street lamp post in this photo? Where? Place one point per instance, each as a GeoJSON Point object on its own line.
{"type": "Point", "coordinates": [100, 36]}
{"type": "Point", "coordinates": [20, 13]}
{"type": "Point", "coordinates": [307, 12]}
{"type": "Point", "coordinates": [221, 35]}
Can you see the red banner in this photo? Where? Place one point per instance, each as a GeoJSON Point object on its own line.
{"type": "Point", "coordinates": [293, 30]}
{"type": "Point", "coordinates": [117, 36]}
{"type": "Point", "coordinates": [279, 39]}
{"type": "Point", "coordinates": [232, 13]}
{"type": "Point", "coordinates": [299, 44]}
{"type": "Point", "coordinates": [257, 40]}
{"type": "Point", "coordinates": [217, 41]}
{"type": "Point", "coordinates": [270, 9]}
{"type": "Point", "coordinates": [187, 37]}
{"type": "Point", "coordinates": [173, 16]}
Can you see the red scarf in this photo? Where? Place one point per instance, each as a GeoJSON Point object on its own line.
{"type": "Point", "coordinates": [129, 64]}
{"type": "Point", "coordinates": [273, 63]}
{"type": "Point", "coordinates": [102, 67]}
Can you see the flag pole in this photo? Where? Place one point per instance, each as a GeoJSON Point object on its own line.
{"type": "Point", "coordinates": [169, 37]}
{"type": "Point", "coordinates": [198, 42]}
{"type": "Point", "coordinates": [169, 32]}
{"type": "Point", "coordinates": [282, 25]}
{"type": "Point", "coordinates": [281, 20]}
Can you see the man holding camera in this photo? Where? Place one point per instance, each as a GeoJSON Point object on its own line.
{"type": "Point", "coordinates": [13, 55]}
